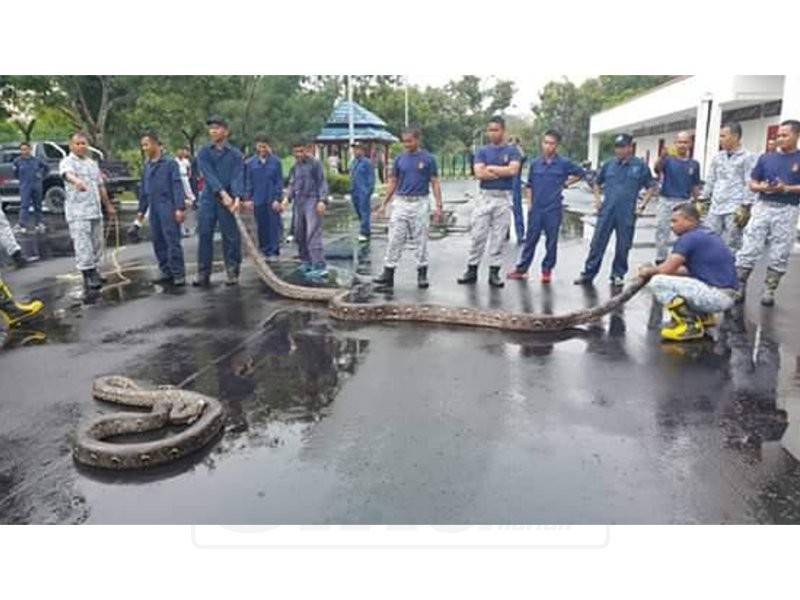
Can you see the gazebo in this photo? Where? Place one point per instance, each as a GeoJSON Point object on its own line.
{"type": "Point", "coordinates": [367, 127]}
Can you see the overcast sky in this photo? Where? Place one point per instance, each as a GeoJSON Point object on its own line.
{"type": "Point", "coordinates": [528, 86]}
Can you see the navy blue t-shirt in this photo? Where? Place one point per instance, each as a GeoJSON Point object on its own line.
{"type": "Point", "coordinates": [708, 258]}
{"type": "Point", "coordinates": [414, 171]}
{"type": "Point", "coordinates": [680, 176]}
{"type": "Point", "coordinates": [775, 165]}
{"type": "Point", "coordinates": [501, 156]}
{"type": "Point", "coordinates": [547, 178]}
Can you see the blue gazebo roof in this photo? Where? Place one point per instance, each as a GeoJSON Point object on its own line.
{"type": "Point", "coordinates": [367, 126]}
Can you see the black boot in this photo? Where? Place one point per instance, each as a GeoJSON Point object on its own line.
{"type": "Point", "coordinates": [742, 274]}
{"type": "Point", "coordinates": [470, 275]}
{"type": "Point", "coordinates": [87, 281]}
{"type": "Point", "coordinates": [494, 277]}
{"type": "Point", "coordinates": [202, 280]}
{"type": "Point", "coordinates": [19, 260]}
{"type": "Point", "coordinates": [422, 278]}
{"type": "Point", "coordinates": [94, 280]}
{"type": "Point", "coordinates": [386, 280]}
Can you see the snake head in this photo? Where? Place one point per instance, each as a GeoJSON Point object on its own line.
{"type": "Point", "coordinates": [186, 412]}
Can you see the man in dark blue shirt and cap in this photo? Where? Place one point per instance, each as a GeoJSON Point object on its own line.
{"type": "Point", "coordinates": [620, 179]}
{"type": "Point", "coordinates": [222, 167]}
{"type": "Point", "coordinates": [264, 176]}
{"type": "Point", "coordinates": [30, 171]}
{"type": "Point", "coordinates": [162, 193]}
{"type": "Point", "coordinates": [362, 186]}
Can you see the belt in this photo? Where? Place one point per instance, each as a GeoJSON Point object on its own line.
{"type": "Point", "coordinates": [498, 193]}
{"type": "Point", "coordinates": [411, 198]}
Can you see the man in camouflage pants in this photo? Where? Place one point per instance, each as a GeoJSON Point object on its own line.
{"type": "Point", "coordinates": [727, 187]}
{"type": "Point", "coordinates": [776, 180]}
{"type": "Point", "coordinates": [496, 166]}
{"type": "Point", "coordinates": [9, 242]}
{"type": "Point", "coordinates": [414, 173]}
{"type": "Point", "coordinates": [85, 189]}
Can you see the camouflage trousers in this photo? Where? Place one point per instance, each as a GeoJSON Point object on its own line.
{"type": "Point", "coordinates": [491, 220]}
{"type": "Point", "coordinates": [726, 228]}
{"type": "Point", "coordinates": [774, 225]}
{"type": "Point", "coordinates": [87, 241]}
{"type": "Point", "coordinates": [699, 296]}
{"type": "Point", "coordinates": [664, 226]}
{"type": "Point", "coordinates": [408, 225]}
{"type": "Point", "coordinates": [7, 239]}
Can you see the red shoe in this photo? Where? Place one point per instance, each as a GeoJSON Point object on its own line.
{"type": "Point", "coordinates": [546, 277]}
{"type": "Point", "coordinates": [518, 275]}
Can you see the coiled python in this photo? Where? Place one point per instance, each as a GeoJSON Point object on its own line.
{"type": "Point", "coordinates": [204, 415]}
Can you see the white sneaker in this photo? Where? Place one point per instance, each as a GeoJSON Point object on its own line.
{"type": "Point", "coordinates": [289, 239]}
{"type": "Point", "coordinates": [18, 229]}
{"type": "Point", "coordinates": [41, 228]}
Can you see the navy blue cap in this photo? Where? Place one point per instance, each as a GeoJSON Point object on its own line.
{"type": "Point", "coordinates": [623, 139]}
{"type": "Point", "coordinates": [217, 120]}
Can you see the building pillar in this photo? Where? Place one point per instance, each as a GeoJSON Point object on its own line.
{"type": "Point", "coordinates": [712, 138]}
{"type": "Point", "coordinates": [594, 150]}
{"type": "Point", "coordinates": [702, 131]}
{"type": "Point", "coordinates": [790, 106]}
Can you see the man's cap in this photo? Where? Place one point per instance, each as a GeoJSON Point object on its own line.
{"type": "Point", "coordinates": [623, 139]}
{"type": "Point", "coordinates": [217, 120]}
{"type": "Point", "coordinates": [358, 143]}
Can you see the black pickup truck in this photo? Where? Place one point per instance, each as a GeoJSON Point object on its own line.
{"type": "Point", "coordinates": [116, 174]}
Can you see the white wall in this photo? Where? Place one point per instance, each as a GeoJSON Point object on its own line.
{"type": "Point", "coordinates": [754, 133]}
{"type": "Point", "coordinates": [650, 142]}
{"type": "Point", "coordinates": [754, 137]}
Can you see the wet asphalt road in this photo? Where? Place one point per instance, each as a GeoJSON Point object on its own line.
{"type": "Point", "coordinates": [339, 423]}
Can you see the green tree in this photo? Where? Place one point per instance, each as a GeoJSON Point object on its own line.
{"type": "Point", "coordinates": [177, 107]}
{"type": "Point", "coordinates": [568, 108]}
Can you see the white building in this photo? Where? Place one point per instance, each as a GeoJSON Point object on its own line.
{"type": "Point", "coordinates": [701, 104]}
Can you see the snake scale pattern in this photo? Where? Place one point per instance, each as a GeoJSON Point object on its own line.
{"type": "Point", "coordinates": [203, 416]}
{"type": "Point", "coordinates": [341, 307]}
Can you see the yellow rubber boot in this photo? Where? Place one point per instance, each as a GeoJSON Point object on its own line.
{"type": "Point", "coordinates": [15, 312]}
{"type": "Point", "coordinates": [684, 325]}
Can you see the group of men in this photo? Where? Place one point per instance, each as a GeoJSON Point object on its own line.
{"type": "Point", "coordinates": [698, 278]}
{"type": "Point", "coordinates": [706, 271]}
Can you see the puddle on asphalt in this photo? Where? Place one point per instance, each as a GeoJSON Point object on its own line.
{"type": "Point", "coordinates": [288, 372]}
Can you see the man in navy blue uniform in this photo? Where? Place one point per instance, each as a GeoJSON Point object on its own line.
{"type": "Point", "coordinates": [162, 192]}
{"type": "Point", "coordinates": [222, 167]}
{"type": "Point", "coordinates": [548, 175]}
{"type": "Point", "coordinates": [362, 186]}
{"type": "Point", "coordinates": [30, 171]}
{"type": "Point", "coordinates": [620, 180]}
{"type": "Point", "coordinates": [264, 176]}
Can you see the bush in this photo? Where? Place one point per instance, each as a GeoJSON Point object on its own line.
{"type": "Point", "coordinates": [338, 184]}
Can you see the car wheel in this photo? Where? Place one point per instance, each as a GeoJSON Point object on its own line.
{"type": "Point", "coordinates": [54, 199]}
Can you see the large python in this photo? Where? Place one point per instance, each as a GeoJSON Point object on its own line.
{"type": "Point", "coordinates": [203, 415]}
{"type": "Point", "coordinates": [340, 306]}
